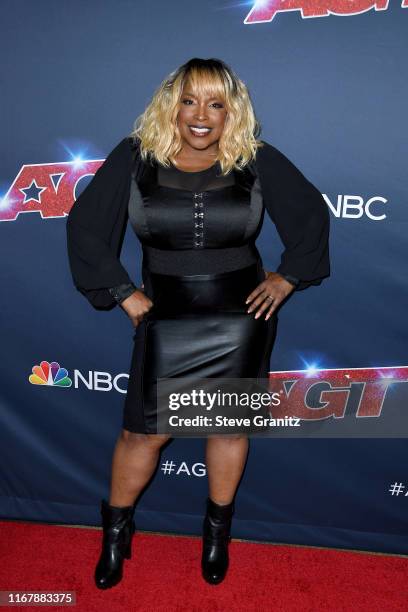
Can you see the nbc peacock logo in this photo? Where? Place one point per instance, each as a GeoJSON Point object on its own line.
{"type": "Point", "coordinates": [50, 374]}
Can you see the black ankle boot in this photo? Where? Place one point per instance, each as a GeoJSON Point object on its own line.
{"type": "Point", "coordinates": [118, 529]}
{"type": "Point", "coordinates": [216, 537]}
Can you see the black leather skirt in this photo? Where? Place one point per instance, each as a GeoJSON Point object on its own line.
{"type": "Point", "coordinates": [198, 327]}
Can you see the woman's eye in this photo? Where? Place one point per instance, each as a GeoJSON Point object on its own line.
{"type": "Point", "coordinates": [187, 100]}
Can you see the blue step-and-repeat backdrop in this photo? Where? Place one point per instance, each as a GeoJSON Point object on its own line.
{"type": "Point", "coordinates": [328, 84]}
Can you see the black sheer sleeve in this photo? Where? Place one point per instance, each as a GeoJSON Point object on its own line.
{"type": "Point", "coordinates": [300, 215]}
{"type": "Point", "coordinates": [96, 226]}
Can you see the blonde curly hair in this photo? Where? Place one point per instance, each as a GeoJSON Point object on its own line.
{"type": "Point", "coordinates": [157, 130]}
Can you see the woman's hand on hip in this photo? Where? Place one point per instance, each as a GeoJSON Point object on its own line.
{"type": "Point", "coordinates": [136, 306]}
{"type": "Point", "coordinates": [269, 294]}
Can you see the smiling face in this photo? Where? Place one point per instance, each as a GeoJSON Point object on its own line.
{"type": "Point", "coordinates": [200, 119]}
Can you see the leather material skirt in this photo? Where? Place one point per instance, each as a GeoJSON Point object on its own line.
{"type": "Point", "coordinates": [198, 327]}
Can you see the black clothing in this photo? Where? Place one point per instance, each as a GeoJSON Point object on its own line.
{"type": "Point", "coordinates": [200, 262]}
{"type": "Point", "coordinates": [122, 292]}
{"type": "Point", "coordinates": [184, 229]}
{"type": "Point", "coordinates": [97, 221]}
{"type": "Point", "coordinates": [198, 327]}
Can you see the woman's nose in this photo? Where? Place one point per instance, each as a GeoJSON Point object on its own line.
{"type": "Point", "coordinates": [201, 113]}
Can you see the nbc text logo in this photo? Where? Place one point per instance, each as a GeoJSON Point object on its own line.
{"type": "Point", "coordinates": [52, 375]}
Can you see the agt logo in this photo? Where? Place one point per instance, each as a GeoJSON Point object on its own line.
{"type": "Point", "coordinates": [317, 394]}
{"type": "Point", "coordinates": [51, 189]}
{"type": "Point", "coordinates": [52, 375]}
{"type": "Point", "coordinates": [48, 189]}
{"type": "Point", "coordinates": [265, 10]}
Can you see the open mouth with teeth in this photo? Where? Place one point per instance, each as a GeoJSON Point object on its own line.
{"type": "Point", "coordinates": [197, 130]}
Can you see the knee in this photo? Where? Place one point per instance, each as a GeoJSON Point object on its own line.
{"type": "Point", "coordinates": [131, 438]}
{"type": "Point", "coordinates": [230, 438]}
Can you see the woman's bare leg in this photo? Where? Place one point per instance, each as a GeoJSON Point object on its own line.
{"type": "Point", "coordinates": [134, 461]}
{"type": "Point", "coordinates": [225, 459]}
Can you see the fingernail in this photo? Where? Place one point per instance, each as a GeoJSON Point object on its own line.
{"type": "Point", "coordinates": [257, 315]}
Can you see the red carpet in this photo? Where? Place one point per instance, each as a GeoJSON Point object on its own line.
{"type": "Point", "coordinates": [164, 574]}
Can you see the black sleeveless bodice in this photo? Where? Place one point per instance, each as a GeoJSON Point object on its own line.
{"type": "Point", "coordinates": [196, 222]}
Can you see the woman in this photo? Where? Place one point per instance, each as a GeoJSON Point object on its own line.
{"type": "Point", "coordinates": [194, 181]}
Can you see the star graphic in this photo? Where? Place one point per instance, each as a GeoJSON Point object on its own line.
{"type": "Point", "coordinates": [32, 192]}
